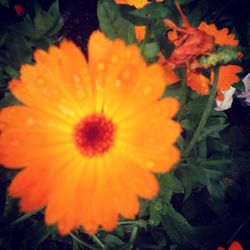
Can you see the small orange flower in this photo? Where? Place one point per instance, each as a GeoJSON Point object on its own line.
{"type": "Point", "coordinates": [222, 37]}
{"type": "Point", "coordinates": [90, 135]}
{"type": "Point", "coordinates": [227, 77]}
{"type": "Point", "coordinates": [194, 42]}
{"type": "Point", "coordinates": [140, 32]}
{"type": "Point", "coordinates": [198, 82]}
{"type": "Point", "coordinates": [138, 4]}
{"type": "Point", "coordinates": [234, 246]}
{"type": "Point", "coordinates": [191, 43]}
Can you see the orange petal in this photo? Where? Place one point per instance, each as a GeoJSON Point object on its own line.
{"type": "Point", "coordinates": [140, 32]}
{"type": "Point", "coordinates": [198, 82]}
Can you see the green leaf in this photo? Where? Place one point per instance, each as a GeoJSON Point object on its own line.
{"type": "Point", "coordinates": [38, 235]}
{"type": "Point", "coordinates": [197, 105]}
{"type": "Point", "coordinates": [216, 191]}
{"type": "Point", "coordinates": [5, 3]}
{"type": "Point", "coordinates": [112, 23]}
{"type": "Point", "coordinates": [47, 24]}
{"type": "Point", "coordinates": [151, 11]}
{"type": "Point", "coordinates": [240, 86]}
{"type": "Point", "coordinates": [169, 182]}
{"type": "Point", "coordinates": [155, 212]}
{"type": "Point", "coordinates": [177, 227]}
{"type": "Point", "coordinates": [54, 9]}
{"type": "Point", "coordinates": [113, 242]}
{"type": "Point", "coordinates": [192, 176]}
{"type": "Point", "coordinates": [212, 130]}
{"type": "Point", "coordinates": [173, 91]}
{"type": "Point", "coordinates": [8, 100]}
{"type": "Point", "coordinates": [150, 50]}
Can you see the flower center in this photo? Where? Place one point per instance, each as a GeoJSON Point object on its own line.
{"type": "Point", "coordinates": [94, 135]}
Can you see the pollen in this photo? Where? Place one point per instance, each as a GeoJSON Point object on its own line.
{"type": "Point", "coordinates": [94, 135]}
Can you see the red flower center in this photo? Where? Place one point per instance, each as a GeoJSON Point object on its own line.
{"type": "Point", "coordinates": [94, 135]}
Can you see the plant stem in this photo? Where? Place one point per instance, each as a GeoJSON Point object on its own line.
{"type": "Point", "coordinates": [238, 230]}
{"type": "Point", "coordinates": [133, 234]}
{"type": "Point", "coordinates": [24, 217]}
{"type": "Point", "coordinates": [183, 95]}
{"type": "Point", "coordinates": [205, 115]}
{"type": "Point", "coordinates": [81, 242]}
{"type": "Point", "coordinates": [97, 240]}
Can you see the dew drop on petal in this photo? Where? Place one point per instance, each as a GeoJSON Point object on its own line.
{"type": "Point", "coordinates": [41, 81]}
{"type": "Point", "coordinates": [76, 78]}
{"type": "Point", "coordinates": [150, 164]}
{"type": "Point", "coordinates": [100, 66]}
{"type": "Point", "coordinates": [14, 143]}
{"type": "Point", "coordinates": [114, 59]}
{"type": "Point", "coordinates": [30, 120]}
{"type": "Point", "coordinates": [118, 83]}
{"type": "Point", "coordinates": [147, 90]}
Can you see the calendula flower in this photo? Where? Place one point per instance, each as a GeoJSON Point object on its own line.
{"type": "Point", "coordinates": [222, 37]}
{"type": "Point", "coordinates": [192, 42]}
{"type": "Point", "coordinates": [90, 135]}
{"type": "Point", "coordinates": [138, 4]}
{"type": "Point", "coordinates": [227, 77]}
{"type": "Point", "coordinates": [195, 42]}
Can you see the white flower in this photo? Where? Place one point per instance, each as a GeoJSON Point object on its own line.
{"type": "Point", "coordinates": [228, 100]}
{"type": "Point", "coordinates": [245, 94]}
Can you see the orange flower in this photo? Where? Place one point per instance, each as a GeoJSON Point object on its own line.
{"type": "Point", "coordinates": [140, 32]}
{"type": "Point", "coordinates": [198, 82]}
{"type": "Point", "coordinates": [169, 74]}
{"type": "Point", "coordinates": [138, 4]}
{"type": "Point", "coordinates": [193, 42]}
{"type": "Point", "coordinates": [234, 246]}
{"type": "Point", "coordinates": [90, 135]}
{"type": "Point", "coordinates": [227, 77]}
{"type": "Point", "coordinates": [222, 37]}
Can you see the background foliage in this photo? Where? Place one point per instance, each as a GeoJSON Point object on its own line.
{"type": "Point", "coordinates": [205, 200]}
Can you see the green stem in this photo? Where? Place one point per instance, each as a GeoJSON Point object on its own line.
{"type": "Point", "coordinates": [133, 234]}
{"type": "Point", "coordinates": [97, 240]}
{"type": "Point", "coordinates": [205, 115]}
{"type": "Point", "coordinates": [129, 222]}
{"type": "Point", "coordinates": [81, 242]}
{"type": "Point", "coordinates": [24, 217]}
{"type": "Point", "coordinates": [238, 230]}
{"type": "Point", "coordinates": [183, 95]}
{"type": "Point", "coordinates": [145, 40]}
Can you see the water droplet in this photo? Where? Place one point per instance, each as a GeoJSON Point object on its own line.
{"type": "Point", "coordinates": [118, 83]}
{"type": "Point", "coordinates": [100, 66]}
{"type": "Point", "coordinates": [114, 59]}
{"type": "Point", "coordinates": [76, 78]}
{"type": "Point", "coordinates": [40, 81]}
{"type": "Point", "coordinates": [147, 90]}
{"type": "Point", "coordinates": [150, 164]}
{"type": "Point", "coordinates": [14, 143]}
{"type": "Point", "coordinates": [150, 140]}
{"type": "Point", "coordinates": [128, 54]}
{"type": "Point", "coordinates": [30, 120]}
